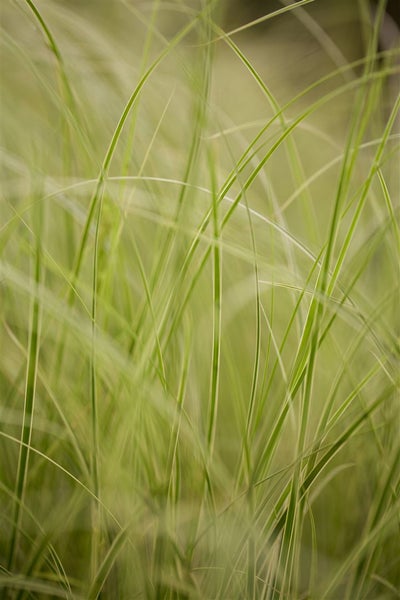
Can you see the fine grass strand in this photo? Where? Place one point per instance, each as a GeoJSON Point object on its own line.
{"type": "Point", "coordinates": [29, 401]}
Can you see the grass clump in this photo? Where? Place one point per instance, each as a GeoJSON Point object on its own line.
{"type": "Point", "coordinates": [199, 303]}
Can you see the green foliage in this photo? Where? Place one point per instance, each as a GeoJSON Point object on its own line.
{"type": "Point", "coordinates": [199, 303]}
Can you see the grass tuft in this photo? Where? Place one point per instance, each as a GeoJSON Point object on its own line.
{"type": "Point", "coordinates": [199, 298]}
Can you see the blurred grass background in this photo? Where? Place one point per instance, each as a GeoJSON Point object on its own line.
{"type": "Point", "coordinates": [199, 372]}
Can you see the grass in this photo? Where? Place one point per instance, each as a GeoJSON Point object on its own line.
{"type": "Point", "coordinates": [199, 303]}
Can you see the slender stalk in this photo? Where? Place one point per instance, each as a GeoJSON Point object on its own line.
{"type": "Point", "coordinates": [29, 397]}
